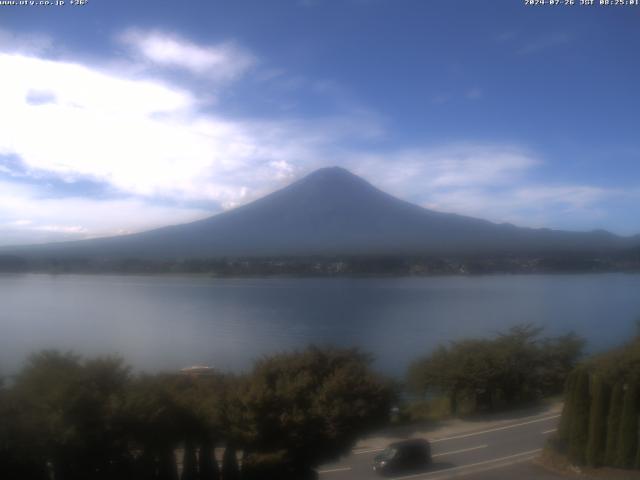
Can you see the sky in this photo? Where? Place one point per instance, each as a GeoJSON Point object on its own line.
{"type": "Point", "coordinates": [120, 116]}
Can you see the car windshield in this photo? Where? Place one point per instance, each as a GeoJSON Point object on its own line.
{"type": "Point", "coordinates": [389, 453]}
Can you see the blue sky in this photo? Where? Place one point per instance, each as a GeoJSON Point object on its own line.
{"type": "Point", "coordinates": [120, 116]}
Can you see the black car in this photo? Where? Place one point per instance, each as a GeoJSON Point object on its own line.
{"type": "Point", "coordinates": [402, 457]}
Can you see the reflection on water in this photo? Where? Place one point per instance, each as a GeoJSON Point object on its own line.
{"type": "Point", "coordinates": [168, 322]}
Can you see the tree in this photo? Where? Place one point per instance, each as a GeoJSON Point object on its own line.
{"type": "Point", "coordinates": [167, 411]}
{"type": "Point", "coordinates": [207, 463]}
{"type": "Point", "coordinates": [559, 357]}
{"type": "Point", "coordinates": [313, 405]}
{"type": "Point", "coordinates": [156, 421]}
{"type": "Point", "coordinates": [230, 468]}
{"type": "Point", "coordinates": [520, 359]}
{"type": "Point", "coordinates": [20, 455]}
{"type": "Point", "coordinates": [579, 428]}
{"type": "Point", "coordinates": [597, 422]}
{"type": "Point", "coordinates": [189, 462]}
{"type": "Point", "coordinates": [68, 411]}
{"type": "Point", "coordinates": [628, 430]}
{"type": "Point", "coordinates": [436, 373]}
{"type": "Point", "coordinates": [613, 423]}
{"type": "Point", "coordinates": [618, 435]}
{"type": "Point", "coordinates": [515, 367]}
{"type": "Point", "coordinates": [200, 402]}
{"type": "Point", "coordinates": [468, 369]}
{"type": "Point", "coordinates": [564, 428]}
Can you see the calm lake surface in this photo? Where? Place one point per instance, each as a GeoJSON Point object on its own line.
{"type": "Point", "coordinates": [167, 322]}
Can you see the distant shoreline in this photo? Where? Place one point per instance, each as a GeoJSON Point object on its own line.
{"type": "Point", "coordinates": [332, 266]}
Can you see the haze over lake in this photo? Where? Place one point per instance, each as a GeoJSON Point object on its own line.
{"type": "Point", "coordinates": [168, 322]}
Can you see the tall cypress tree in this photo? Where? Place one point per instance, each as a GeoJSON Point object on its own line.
{"type": "Point", "coordinates": [167, 468]}
{"type": "Point", "coordinates": [597, 422]}
{"type": "Point", "coordinates": [189, 462]}
{"type": "Point", "coordinates": [613, 424]}
{"type": "Point", "coordinates": [230, 468]}
{"type": "Point", "coordinates": [628, 431]}
{"type": "Point", "coordinates": [564, 429]}
{"type": "Point", "coordinates": [208, 465]}
{"type": "Point", "coordinates": [579, 428]}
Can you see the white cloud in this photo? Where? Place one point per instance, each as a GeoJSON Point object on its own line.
{"type": "Point", "coordinates": [544, 42]}
{"type": "Point", "coordinates": [139, 136]}
{"type": "Point", "coordinates": [25, 216]}
{"type": "Point", "coordinates": [460, 165]}
{"type": "Point", "coordinates": [62, 229]}
{"type": "Point", "coordinates": [572, 196]}
{"type": "Point", "coordinates": [222, 62]}
{"type": "Point", "coordinates": [562, 206]}
{"type": "Point", "coordinates": [489, 181]}
{"type": "Point", "coordinates": [31, 43]}
{"type": "Point", "coordinates": [148, 139]}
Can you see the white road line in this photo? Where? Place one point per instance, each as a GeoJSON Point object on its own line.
{"type": "Point", "coordinates": [497, 429]}
{"type": "Point", "coordinates": [360, 452]}
{"type": "Point", "coordinates": [455, 437]}
{"type": "Point", "coordinates": [334, 470]}
{"type": "Point", "coordinates": [544, 432]}
{"type": "Point", "coordinates": [445, 472]}
{"type": "Point", "coordinates": [460, 451]}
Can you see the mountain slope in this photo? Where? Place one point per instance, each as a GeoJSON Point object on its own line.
{"type": "Point", "coordinates": [332, 211]}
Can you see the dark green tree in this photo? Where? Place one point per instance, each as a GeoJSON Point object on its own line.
{"type": "Point", "coordinates": [515, 367]}
{"type": "Point", "coordinates": [437, 373]}
{"type": "Point", "coordinates": [564, 427]}
{"type": "Point", "coordinates": [519, 363]}
{"type": "Point", "coordinates": [207, 463]}
{"type": "Point", "coordinates": [628, 430]}
{"type": "Point", "coordinates": [615, 376]}
{"type": "Point", "coordinates": [558, 357]}
{"type": "Point", "coordinates": [597, 422]}
{"type": "Point", "coordinates": [69, 409]}
{"type": "Point", "coordinates": [468, 369]}
{"type": "Point", "coordinates": [613, 423]}
{"type": "Point", "coordinates": [154, 419]}
{"type": "Point", "coordinates": [189, 462]}
{"type": "Point", "coordinates": [313, 405]}
{"type": "Point", "coordinates": [21, 455]}
{"type": "Point", "coordinates": [579, 428]}
{"type": "Point", "coordinates": [230, 468]}
{"type": "Point", "coordinates": [199, 401]}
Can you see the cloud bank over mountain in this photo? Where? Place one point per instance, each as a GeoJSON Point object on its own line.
{"type": "Point", "coordinates": [149, 131]}
{"type": "Point", "coordinates": [330, 212]}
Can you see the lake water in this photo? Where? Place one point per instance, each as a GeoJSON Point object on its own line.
{"type": "Point", "coordinates": [167, 322]}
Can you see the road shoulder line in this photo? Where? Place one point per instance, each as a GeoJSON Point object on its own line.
{"type": "Point", "coordinates": [498, 463]}
{"type": "Point", "coordinates": [497, 429]}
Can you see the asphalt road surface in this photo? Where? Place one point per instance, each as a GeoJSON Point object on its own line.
{"type": "Point", "coordinates": [503, 451]}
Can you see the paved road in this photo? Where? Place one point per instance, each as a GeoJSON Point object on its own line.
{"type": "Point", "coordinates": [503, 450]}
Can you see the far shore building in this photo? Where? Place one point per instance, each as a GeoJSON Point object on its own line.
{"type": "Point", "coordinates": [198, 371]}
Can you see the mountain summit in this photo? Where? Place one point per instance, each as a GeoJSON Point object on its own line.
{"type": "Point", "coordinates": [332, 211]}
